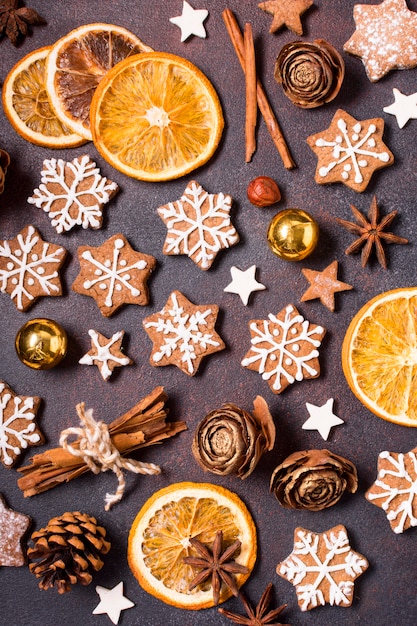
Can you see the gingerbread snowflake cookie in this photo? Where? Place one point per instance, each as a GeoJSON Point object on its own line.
{"type": "Point", "coordinates": [322, 567]}
{"type": "Point", "coordinates": [114, 274]}
{"type": "Point", "coordinates": [106, 353]}
{"type": "Point", "coordinates": [183, 333]}
{"type": "Point", "coordinates": [29, 267]}
{"type": "Point", "coordinates": [73, 193]}
{"type": "Point", "coordinates": [385, 37]}
{"type": "Point", "coordinates": [13, 526]}
{"type": "Point", "coordinates": [198, 225]}
{"type": "Point", "coordinates": [18, 428]}
{"type": "Point", "coordinates": [350, 151]}
{"type": "Point", "coordinates": [284, 348]}
{"type": "Point", "coordinates": [395, 489]}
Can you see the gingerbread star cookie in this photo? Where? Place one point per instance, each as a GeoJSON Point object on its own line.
{"type": "Point", "coordinates": [395, 489]}
{"type": "Point", "coordinates": [18, 428]}
{"type": "Point", "coordinates": [322, 567]}
{"type": "Point", "coordinates": [13, 526]}
{"type": "Point", "coordinates": [198, 225]}
{"type": "Point", "coordinates": [114, 274]}
{"type": "Point", "coordinates": [323, 285]}
{"type": "Point", "coordinates": [284, 348]}
{"type": "Point", "coordinates": [29, 267]}
{"type": "Point", "coordinates": [286, 13]}
{"type": "Point", "coordinates": [183, 333]}
{"type": "Point", "coordinates": [385, 38]}
{"type": "Point", "coordinates": [350, 151]}
{"type": "Point", "coordinates": [73, 193]}
{"type": "Point", "coordinates": [105, 353]}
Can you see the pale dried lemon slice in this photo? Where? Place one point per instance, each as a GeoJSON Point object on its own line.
{"type": "Point", "coordinates": [379, 355]}
{"type": "Point", "coordinates": [156, 117]}
{"type": "Point", "coordinates": [28, 108]}
{"type": "Point", "coordinates": [159, 539]}
{"type": "Point", "coordinates": [76, 64]}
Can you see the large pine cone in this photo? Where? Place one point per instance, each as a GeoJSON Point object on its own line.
{"type": "Point", "coordinates": [66, 550]}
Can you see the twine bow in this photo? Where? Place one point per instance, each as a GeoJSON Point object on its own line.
{"type": "Point", "coordinates": [99, 453]}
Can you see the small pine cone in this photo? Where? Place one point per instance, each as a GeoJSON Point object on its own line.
{"type": "Point", "coordinates": [66, 550]}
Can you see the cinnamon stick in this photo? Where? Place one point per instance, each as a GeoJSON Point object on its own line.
{"type": "Point", "coordinates": [143, 425]}
{"type": "Point", "coordinates": [251, 99]}
{"type": "Point", "coordinates": [263, 103]}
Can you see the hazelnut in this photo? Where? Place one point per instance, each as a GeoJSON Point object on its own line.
{"type": "Point", "coordinates": [263, 191]}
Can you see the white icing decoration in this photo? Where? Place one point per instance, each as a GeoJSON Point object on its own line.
{"type": "Point", "coordinates": [22, 410]}
{"type": "Point", "coordinates": [192, 232]}
{"type": "Point", "coordinates": [182, 333]}
{"type": "Point", "coordinates": [103, 354]}
{"type": "Point", "coordinates": [21, 269]}
{"type": "Point", "coordinates": [73, 212]}
{"type": "Point", "coordinates": [277, 344]}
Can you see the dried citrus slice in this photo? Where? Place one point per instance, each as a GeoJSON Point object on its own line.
{"type": "Point", "coordinates": [379, 355]}
{"type": "Point", "coordinates": [156, 117]}
{"type": "Point", "coordinates": [27, 105]}
{"type": "Point", "coordinates": [159, 539]}
{"type": "Point", "coordinates": [76, 64]}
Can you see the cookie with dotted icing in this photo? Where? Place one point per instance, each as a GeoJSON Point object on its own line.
{"type": "Point", "coordinates": [114, 274]}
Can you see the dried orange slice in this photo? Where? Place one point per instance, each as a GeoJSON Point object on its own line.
{"type": "Point", "coordinates": [156, 117]}
{"type": "Point", "coordinates": [76, 64]}
{"type": "Point", "coordinates": [159, 539]}
{"type": "Point", "coordinates": [379, 355]}
{"type": "Point", "coordinates": [28, 108]}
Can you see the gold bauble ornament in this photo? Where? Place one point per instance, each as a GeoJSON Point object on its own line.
{"type": "Point", "coordinates": [41, 343]}
{"type": "Point", "coordinates": [293, 234]}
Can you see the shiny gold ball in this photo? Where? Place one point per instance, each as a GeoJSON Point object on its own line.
{"type": "Point", "coordinates": [41, 344]}
{"type": "Point", "coordinates": [293, 234]}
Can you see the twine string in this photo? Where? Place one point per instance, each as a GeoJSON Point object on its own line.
{"type": "Point", "coordinates": [99, 453]}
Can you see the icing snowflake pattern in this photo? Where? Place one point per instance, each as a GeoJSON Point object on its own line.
{"type": "Point", "coordinates": [73, 193]}
{"type": "Point", "coordinates": [395, 490]}
{"type": "Point", "coordinates": [198, 225]}
{"type": "Point", "coordinates": [24, 262]}
{"type": "Point", "coordinates": [284, 348]}
{"type": "Point", "coordinates": [18, 429]}
{"type": "Point", "coordinates": [322, 567]}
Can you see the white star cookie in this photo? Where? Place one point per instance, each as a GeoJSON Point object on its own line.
{"type": "Point", "coordinates": [322, 418]}
{"type": "Point", "coordinates": [244, 283]}
{"type": "Point", "coordinates": [404, 107]}
{"type": "Point", "coordinates": [190, 21]}
{"type": "Point", "coordinates": [112, 602]}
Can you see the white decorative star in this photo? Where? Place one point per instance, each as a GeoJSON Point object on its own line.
{"type": "Point", "coordinates": [322, 418]}
{"type": "Point", "coordinates": [112, 602]}
{"type": "Point", "coordinates": [404, 107]}
{"type": "Point", "coordinates": [191, 21]}
{"type": "Point", "coordinates": [244, 283]}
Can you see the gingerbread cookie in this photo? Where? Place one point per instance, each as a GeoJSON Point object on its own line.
{"type": "Point", "coordinates": [13, 526]}
{"type": "Point", "coordinates": [114, 274]}
{"type": "Point", "coordinates": [322, 567]}
{"type": "Point", "coordinates": [183, 333]}
{"type": "Point", "coordinates": [106, 353]}
{"type": "Point", "coordinates": [198, 225]}
{"type": "Point", "coordinates": [349, 151]}
{"type": "Point", "coordinates": [284, 348]}
{"type": "Point", "coordinates": [385, 38]}
{"type": "Point", "coordinates": [323, 285]}
{"type": "Point", "coordinates": [286, 14]}
{"type": "Point", "coordinates": [18, 428]}
{"type": "Point", "coordinates": [395, 489]}
{"type": "Point", "coordinates": [29, 267]}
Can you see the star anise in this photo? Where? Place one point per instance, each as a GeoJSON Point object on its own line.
{"type": "Point", "coordinates": [215, 564]}
{"type": "Point", "coordinates": [259, 616]}
{"type": "Point", "coordinates": [15, 21]}
{"type": "Point", "coordinates": [371, 233]}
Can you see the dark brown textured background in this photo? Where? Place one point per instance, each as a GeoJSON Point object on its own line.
{"type": "Point", "coordinates": [387, 593]}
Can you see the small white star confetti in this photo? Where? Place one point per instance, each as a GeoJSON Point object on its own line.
{"type": "Point", "coordinates": [322, 418]}
{"type": "Point", "coordinates": [244, 283]}
{"type": "Point", "coordinates": [112, 602]}
{"type": "Point", "coordinates": [404, 107]}
{"type": "Point", "coordinates": [190, 21]}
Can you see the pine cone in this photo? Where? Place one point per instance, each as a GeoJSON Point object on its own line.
{"type": "Point", "coordinates": [66, 550]}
